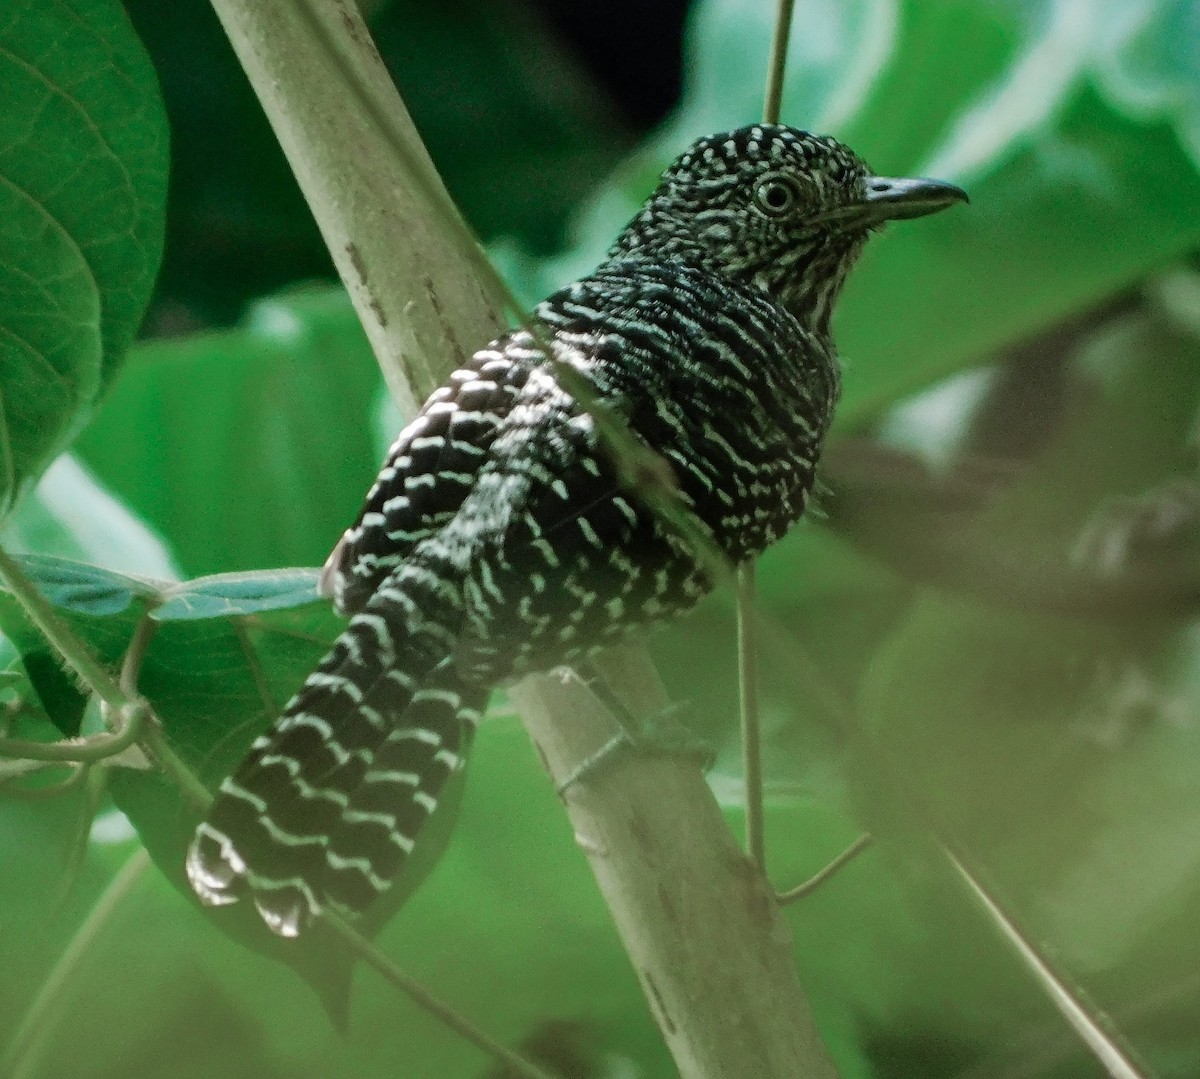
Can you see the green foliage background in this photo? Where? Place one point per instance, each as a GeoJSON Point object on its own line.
{"type": "Point", "coordinates": [1020, 651]}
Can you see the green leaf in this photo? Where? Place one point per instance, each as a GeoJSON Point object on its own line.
{"type": "Point", "coordinates": [254, 447]}
{"type": "Point", "coordinates": [71, 515]}
{"type": "Point", "coordinates": [228, 595]}
{"type": "Point", "coordinates": [89, 590]}
{"type": "Point", "coordinates": [83, 157]}
{"type": "Point", "coordinates": [227, 653]}
{"type": "Point", "coordinates": [1147, 64]}
{"type": "Point", "coordinates": [1061, 217]}
{"type": "Point", "coordinates": [225, 657]}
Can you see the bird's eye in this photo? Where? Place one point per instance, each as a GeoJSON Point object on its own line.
{"type": "Point", "coordinates": [777, 196]}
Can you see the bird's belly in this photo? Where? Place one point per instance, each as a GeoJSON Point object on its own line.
{"type": "Point", "coordinates": [746, 510]}
{"type": "Point", "coordinates": [527, 619]}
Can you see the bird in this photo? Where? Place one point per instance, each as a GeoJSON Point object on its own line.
{"type": "Point", "coordinates": [502, 538]}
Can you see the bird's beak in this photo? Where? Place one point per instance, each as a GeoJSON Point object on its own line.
{"type": "Point", "coordinates": [890, 199]}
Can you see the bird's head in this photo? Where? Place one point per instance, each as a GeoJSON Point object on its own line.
{"type": "Point", "coordinates": [778, 207]}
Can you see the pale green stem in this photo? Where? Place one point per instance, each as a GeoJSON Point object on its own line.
{"type": "Point", "coordinates": [773, 99]}
{"type": "Point", "coordinates": [806, 888]}
{"type": "Point", "coordinates": [747, 649]}
{"type": "Point", "coordinates": [121, 702]}
{"type": "Point", "coordinates": [89, 750]}
{"type": "Point", "coordinates": [751, 725]}
{"type": "Point", "coordinates": [21, 769]}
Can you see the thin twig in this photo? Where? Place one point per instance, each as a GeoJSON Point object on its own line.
{"type": "Point", "coordinates": [87, 750]}
{"type": "Point", "coordinates": [1107, 1044]}
{"type": "Point", "coordinates": [747, 649]}
{"type": "Point", "coordinates": [78, 772]}
{"type": "Point", "coordinates": [756, 844]}
{"type": "Point", "coordinates": [773, 99]}
{"type": "Point", "coordinates": [806, 888]}
{"type": "Point", "coordinates": [135, 654]}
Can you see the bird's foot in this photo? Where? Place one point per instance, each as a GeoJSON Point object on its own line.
{"type": "Point", "coordinates": [659, 735]}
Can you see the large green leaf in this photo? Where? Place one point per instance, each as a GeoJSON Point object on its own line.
{"type": "Point", "coordinates": [254, 447]}
{"type": "Point", "coordinates": [71, 515]}
{"type": "Point", "coordinates": [83, 167]}
{"type": "Point", "coordinates": [1074, 197]}
{"type": "Point", "coordinates": [226, 654]}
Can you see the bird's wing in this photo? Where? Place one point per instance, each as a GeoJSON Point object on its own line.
{"type": "Point", "coordinates": [429, 471]}
{"type": "Point", "coordinates": [578, 559]}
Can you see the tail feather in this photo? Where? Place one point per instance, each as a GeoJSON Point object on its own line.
{"type": "Point", "coordinates": [396, 796]}
{"type": "Point", "coordinates": [304, 813]}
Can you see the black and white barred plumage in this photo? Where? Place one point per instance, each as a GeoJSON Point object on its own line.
{"type": "Point", "coordinates": [499, 538]}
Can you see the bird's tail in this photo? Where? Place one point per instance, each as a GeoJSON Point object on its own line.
{"type": "Point", "coordinates": [329, 801]}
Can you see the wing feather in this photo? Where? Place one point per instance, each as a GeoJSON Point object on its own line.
{"type": "Point", "coordinates": [430, 469]}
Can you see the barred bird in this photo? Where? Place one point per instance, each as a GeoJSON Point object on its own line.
{"type": "Point", "coordinates": [500, 539]}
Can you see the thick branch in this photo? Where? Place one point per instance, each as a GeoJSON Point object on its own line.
{"type": "Point", "coordinates": [423, 306]}
{"type": "Point", "coordinates": [699, 920]}
{"type": "Point", "coordinates": [700, 925]}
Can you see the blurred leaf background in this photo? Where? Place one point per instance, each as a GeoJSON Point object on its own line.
{"type": "Point", "coordinates": [1002, 585]}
